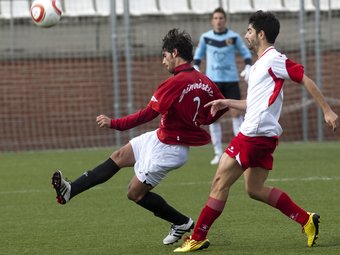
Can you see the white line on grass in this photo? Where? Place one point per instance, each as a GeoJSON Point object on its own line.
{"type": "Point", "coordinates": [305, 179]}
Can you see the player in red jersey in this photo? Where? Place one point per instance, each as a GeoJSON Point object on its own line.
{"type": "Point", "coordinates": [180, 100]}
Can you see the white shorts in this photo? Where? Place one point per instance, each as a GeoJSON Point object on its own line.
{"type": "Point", "coordinates": [155, 159]}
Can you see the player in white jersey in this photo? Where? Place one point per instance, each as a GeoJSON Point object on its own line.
{"type": "Point", "coordinates": [265, 93]}
{"type": "Point", "coordinates": [250, 153]}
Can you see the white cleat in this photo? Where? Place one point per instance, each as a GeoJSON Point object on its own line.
{"type": "Point", "coordinates": [177, 231]}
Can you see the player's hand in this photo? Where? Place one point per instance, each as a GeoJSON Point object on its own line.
{"type": "Point", "coordinates": [217, 105]}
{"type": "Point", "coordinates": [245, 73]}
{"type": "Point", "coordinates": [332, 119]}
{"type": "Point", "coordinates": [103, 121]}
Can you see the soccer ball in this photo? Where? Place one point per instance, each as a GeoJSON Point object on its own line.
{"type": "Point", "coordinates": [46, 13]}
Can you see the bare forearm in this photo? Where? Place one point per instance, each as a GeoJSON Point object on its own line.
{"type": "Point", "coordinates": [225, 104]}
{"type": "Point", "coordinates": [240, 105]}
{"type": "Point", "coordinates": [315, 92]}
{"type": "Point", "coordinates": [331, 118]}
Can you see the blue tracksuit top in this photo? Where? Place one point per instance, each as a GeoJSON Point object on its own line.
{"type": "Point", "coordinates": [220, 50]}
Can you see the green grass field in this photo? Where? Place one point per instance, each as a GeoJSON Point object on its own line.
{"type": "Point", "coordinates": [103, 221]}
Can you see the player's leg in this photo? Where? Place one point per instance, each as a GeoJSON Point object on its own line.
{"type": "Point", "coordinates": [227, 173]}
{"type": "Point", "coordinates": [154, 160]}
{"type": "Point", "coordinates": [254, 179]}
{"type": "Point", "coordinates": [140, 193]}
{"type": "Point", "coordinates": [216, 140]}
{"type": "Point", "coordinates": [255, 186]}
{"type": "Point", "coordinates": [66, 190]}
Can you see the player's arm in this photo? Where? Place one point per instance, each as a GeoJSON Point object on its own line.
{"type": "Point", "coordinates": [221, 104]}
{"type": "Point", "coordinates": [331, 117]}
{"type": "Point", "coordinates": [142, 116]}
{"type": "Point", "coordinates": [199, 53]}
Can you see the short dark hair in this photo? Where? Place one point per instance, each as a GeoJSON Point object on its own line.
{"type": "Point", "coordinates": [267, 22]}
{"type": "Point", "coordinates": [219, 10]}
{"type": "Point", "coordinates": [181, 41]}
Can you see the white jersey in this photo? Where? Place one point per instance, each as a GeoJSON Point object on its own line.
{"type": "Point", "coordinates": [265, 93]}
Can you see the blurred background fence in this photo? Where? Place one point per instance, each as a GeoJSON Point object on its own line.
{"type": "Point", "coordinates": [104, 56]}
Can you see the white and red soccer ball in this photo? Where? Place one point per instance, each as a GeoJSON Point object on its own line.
{"type": "Point", "coordinates": [46, 13]}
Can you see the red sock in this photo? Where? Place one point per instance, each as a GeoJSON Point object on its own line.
{"type": "Point", "coordinates": [281, 201]}
{"type": "Point", "coordinates": [209, 214]}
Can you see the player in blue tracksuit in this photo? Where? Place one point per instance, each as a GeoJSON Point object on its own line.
{"type": "Point", "coordinates": [220, 46]}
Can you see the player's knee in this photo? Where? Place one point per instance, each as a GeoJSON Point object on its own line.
{"type": "Point", "coordinates": [124, 157]}
{"type": "Point", "coordinates": [131, 196]}
{"type": "Point", "coordinates": [116, 156]}
{"type": "Point", "coordinates": [134, 196]}
{"type": "Point", "coordinates": [254, 193]}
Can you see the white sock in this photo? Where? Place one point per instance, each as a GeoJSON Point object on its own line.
{"type": "Point", "coordinates": [237, 121]}
{"type": "Point", "coordinates": [216, 137]}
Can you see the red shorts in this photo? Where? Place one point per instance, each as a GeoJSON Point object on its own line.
{"type": "Point", "coordinates": [253, 151]}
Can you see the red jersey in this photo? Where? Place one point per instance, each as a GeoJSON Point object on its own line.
{"type": "Point", "coordinates": [180, 100]}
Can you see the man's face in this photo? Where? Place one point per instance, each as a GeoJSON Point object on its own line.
{"type": "Point", "coordinates": [252, 38]}
{"type": "Point", "coordinates": [169, 61]}
{"type": "Point", "coordinates": [218, 22]}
